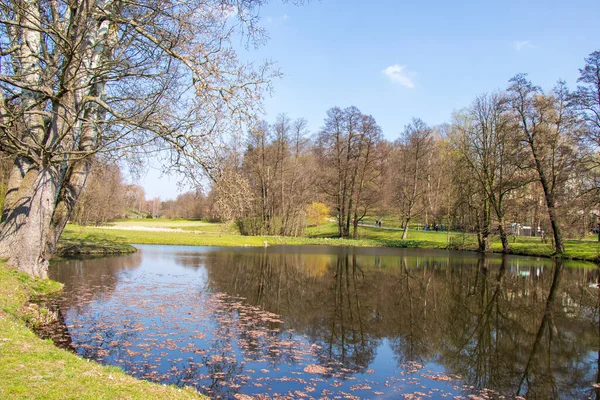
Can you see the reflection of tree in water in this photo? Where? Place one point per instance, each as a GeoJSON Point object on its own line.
{"type": "Point", "coordinates": [322, 302]}
{"type": "Point", "coordinates": [512, 324]}
{"type": "Point", "coordinates": [483, 318]}
{"type": "Point", "coordinates": [347, 343]}
{"type": "Point", "coordinates": [507, 332]}
{"type": "Point", "coordinates": [85, 278]}
{"type": "Point", "coordinates": [413, 301]}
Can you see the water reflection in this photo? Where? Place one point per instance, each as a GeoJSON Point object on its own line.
{"type": "Point", "coordinates": [324, 321]}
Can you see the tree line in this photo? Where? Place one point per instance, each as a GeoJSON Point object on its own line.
{"type": "Point", "coordinates": [517, 156]}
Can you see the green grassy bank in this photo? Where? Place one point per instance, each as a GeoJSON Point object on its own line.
{"type": "Point", "coordinates": [198, 233]}
{"type": "Point", "coordinates": [91, 245]}
{"type": "Point", "coordinates": [32, 368]}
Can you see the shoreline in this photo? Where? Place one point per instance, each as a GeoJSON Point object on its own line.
{"type": "Point", "coordinates": [36, 368]}
{"type": "Point", "coordinates": [113, 240]}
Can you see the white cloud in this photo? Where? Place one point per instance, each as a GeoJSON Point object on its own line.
{"type": "Point", "coordinates": [398, 74]}
{"type": "Point", "coordinates": [523, 44]}
{"type": "Point", "coordinates": [276, 20]}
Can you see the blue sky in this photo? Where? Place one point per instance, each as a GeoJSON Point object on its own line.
{"type": "Point", "coordinates": [396, 60]}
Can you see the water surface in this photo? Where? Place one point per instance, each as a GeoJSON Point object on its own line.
{"type": "Point", "coordinates": [338, 322]}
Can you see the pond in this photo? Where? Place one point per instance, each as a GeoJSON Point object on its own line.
{"type": "Point", "coordinates": [333, 322]}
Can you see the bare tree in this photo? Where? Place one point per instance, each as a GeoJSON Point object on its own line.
{"type": "Point", "coordinates": [488, 144]}
{"type": "Point", "coordinates": [231, 195]}
{"type": "Point", "coordinates": [548, 127]}
{"type": "Point", "coordinates": [300, 170]}
{"type": "Point", "coordinates": [414, 146]}
{"type": "Point", "coordinates": [277, 164]}
{"type": "Point", "coordinates": [372, 157]}
{"type": "Point", "coordinates": [103, 197]}
{"type": "Point", "coordinates": [105, 76]}
{"type": "Point", "coordinates": [190, 205]}
{"type": "Point", "coordinates": [346, 148]}
{"type": "Point", "coordinates": [134, 197]}
{"type": "Point", "coordinates": [587, 96]}
{"type": "Point", "coordinates": [587, 100]}
{"type": "Point", "coordinates": [261, 165]}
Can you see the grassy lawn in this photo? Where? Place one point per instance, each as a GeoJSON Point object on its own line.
{"type": "Point", "coordinates": [32, 368]}
{"type": "Point", "coordinates": [575, 249]}
{"type": "Point", "coordinates": [199, 233]}
{"type": "Point", "coordinates": [91, 244]}
{"type": "Point", "coordinates": [182, 224]}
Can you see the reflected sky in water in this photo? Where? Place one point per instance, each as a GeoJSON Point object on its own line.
{"type": "Point", "coordinates": [338, 322]}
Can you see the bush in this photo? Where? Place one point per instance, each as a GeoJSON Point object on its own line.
{"type": "Point", "coordinates": [257, 227]}
{"type": "Point", "coordinates": [317, 213]}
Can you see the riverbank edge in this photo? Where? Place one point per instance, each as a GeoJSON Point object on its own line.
{"type": "Point", "coordinates": [74, 247]}
{"type": "Point", "coordinates": [111, 238]}
{"type": "Point", "coordinates": [33, 368]}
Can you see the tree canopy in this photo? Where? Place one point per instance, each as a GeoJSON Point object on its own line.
{"type": "Point", "coordinates": [94, 77]}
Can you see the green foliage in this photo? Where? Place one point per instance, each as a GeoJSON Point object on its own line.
{"type": "Point", "coordinates": [317, 213]}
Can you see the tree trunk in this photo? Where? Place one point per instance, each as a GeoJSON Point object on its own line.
{"type": "Point", "coordinates": [559, 246]}
{"type": "Point", "coordinates": [405, 232]}
{"type": "Point", "coordinates": [484, 244]}
{"type": "Point", "coordinates": [71, 189]}
{"type": "Point", "coordinates": [26, 226]}
{"type": "Point", "coordinates": [503, 238]}
{"type": "Point", "coordinates": [35, 214]}
{"type": "Point", "coordinates": [484, 222]}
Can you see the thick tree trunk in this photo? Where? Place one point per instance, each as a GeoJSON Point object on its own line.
{"type": "Point", "coordinates": [73, 185]}
{"type": "Point", "coordinates": [26, 226]}
{"type": "Point", "coordinates": [35, 214]}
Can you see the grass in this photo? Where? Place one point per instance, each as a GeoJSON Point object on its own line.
{"type": "Point", "coordinates": [587, 250]}
{"type": "Point", "coordinates": [182, 224]}
{"type": "Point", "coordinates": [90, 245]}
{"type": "Point", "coordinates": [199, 233]}
{"type": "Point", "coordinates": [32, 368]}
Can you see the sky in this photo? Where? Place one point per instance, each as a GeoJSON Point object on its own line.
{"type": "Point", "coordinates": [396, 60]}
